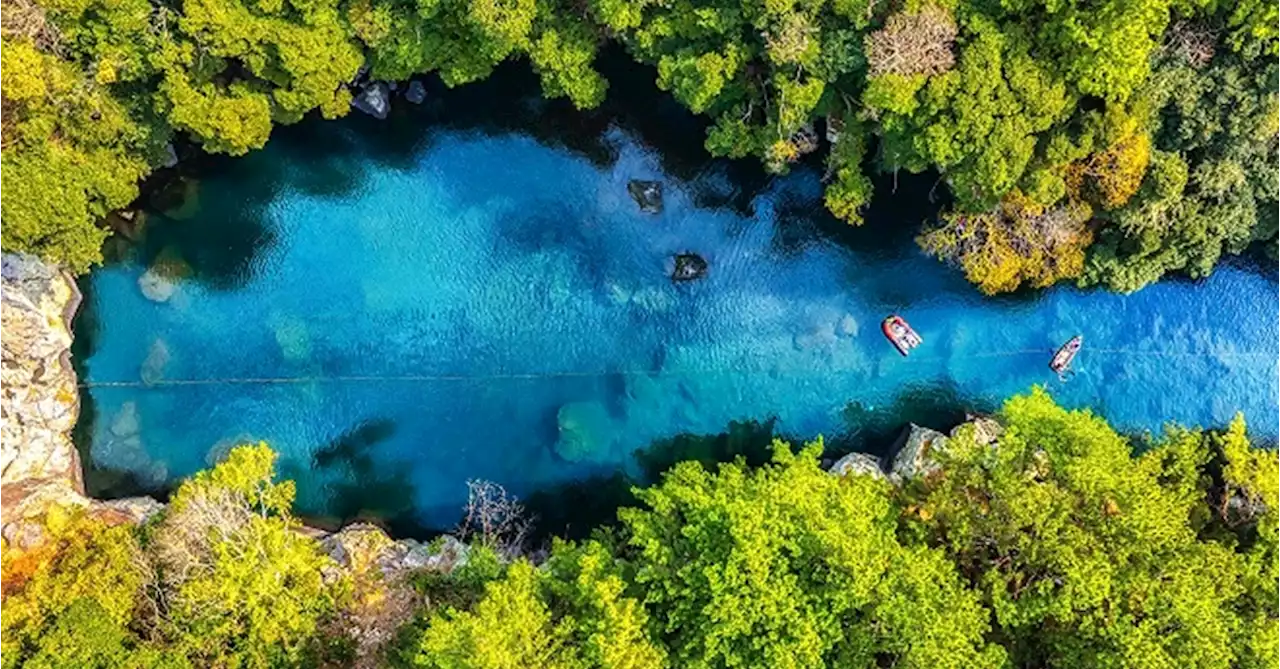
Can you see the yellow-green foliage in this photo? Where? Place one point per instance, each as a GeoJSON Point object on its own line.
{"type": "Point", "coordinates": [570, 614]}
{"type": "Point", "coordinates": [1018, 244]}
{"type": "Point", "coordinates": [789, 566]}
{"type": "Point", "coordinates": [71, 154]}
{"type": "Point", "coordinates": [87, 572]}
{"type": "Point", "coordinates": [244, 588]}
{"type": "Point", "coordinates": [1088, 555]}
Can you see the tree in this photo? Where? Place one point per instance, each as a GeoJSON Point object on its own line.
{"type": "Point", "coordinates": [572, 613]}
{"type": "Point", "coordinates": [1086, 554]}
{"type": "Point", "coordinates": [70, 601]}
{"type": "Point", "coordinates": [789, 566]}
{"type": "Point", "coordinates": [238, 584]}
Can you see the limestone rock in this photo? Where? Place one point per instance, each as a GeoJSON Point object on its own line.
{"type": "Point", "coordinates": [137, 510]}
{"type": "Point", "coordinates": [379, 569]}
{"type": "Point", "coordinates": [416, 93]}
{"type": "Point", "coordinates": [647, 194]}
{"type": "Point", "coordinates": [40, 400]}
{"type": "Point", "coordinates": [915, 455]}
{"type": "Point", "coordinates": [858, 463]}
{"type": "Point", "coordinates": [373, 99]}
{"type": "Point", "coordinates": [984, 430]}
{"type": "Point", "coordinates": [689, 266]}
{"type": "Point", "coordinates": [362, 546]}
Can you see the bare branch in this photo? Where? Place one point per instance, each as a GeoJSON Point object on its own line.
{"type": "Point", "coordinates": [912, 44]}
{"type": "Point", "coordinates": [494, 518]}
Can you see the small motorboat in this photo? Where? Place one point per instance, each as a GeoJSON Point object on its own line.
{"type": "Point", "coordinates": [900, 334]}
{"type": "Point", "coordinates": [1061, 361]}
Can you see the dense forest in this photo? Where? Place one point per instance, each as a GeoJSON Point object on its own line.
{"type": "Point", "coordinates": [1107, 142]}
{"type": "Point", "coordinates": [1060, 544]}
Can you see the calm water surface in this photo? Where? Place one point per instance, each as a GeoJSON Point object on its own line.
{"type": "Point", "coordinates": [488, 305]}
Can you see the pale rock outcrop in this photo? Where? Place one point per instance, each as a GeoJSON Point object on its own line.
{"type": "Point", "coordinates": [379, 570]}
{"type": "Point", "coordinates": [39, 406]}
{"type": "Point", "coordinates": [858, 463]}
{"type": "Point", "coordinates": [39, 465]}
{"type": "Point", "coordinates": [985, 429]}
{"type": "Point", "coordinates": [915, 453]}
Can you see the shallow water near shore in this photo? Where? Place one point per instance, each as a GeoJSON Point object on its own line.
{"type": "Point", "coordinates": [463, 303]}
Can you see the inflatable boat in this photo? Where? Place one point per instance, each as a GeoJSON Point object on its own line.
{"type": "Point", "coordinates": [1062, 359]}
{"type": "Point", "coordinates": [900, 334]}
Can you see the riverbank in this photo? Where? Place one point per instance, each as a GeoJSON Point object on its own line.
{"type": "Point", "coordinates": [40, 465]}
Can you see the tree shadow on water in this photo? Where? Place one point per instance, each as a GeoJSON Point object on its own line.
{"type": "Point", "coordinates": [361, 489]}
{"type": "Point", "coordinates": [573, 510]}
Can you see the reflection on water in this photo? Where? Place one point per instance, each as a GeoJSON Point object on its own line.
{"type": "Point", "coordinates": [398, 309]}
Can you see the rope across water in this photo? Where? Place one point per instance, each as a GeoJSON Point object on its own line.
{"type": "Point", "coordinates": [423, 378]}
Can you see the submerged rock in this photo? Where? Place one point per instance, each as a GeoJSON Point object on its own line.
{"type": "Point", "coordinates": [647, 194]}
{"type": "Point", "coordinates": [689, 266]}
{"type": "Point", "coordinates": [155, 287]}
{"type": "Point", "coordinates": [373, 99]}
{"type": "Point", "coordinates": [858, 463]}
{"type": "Point", "coordinates": [849, 326]}
{"type": "Point", "coordinates": [128, 223]}
{"type": "Point", "coordinates": [125, 424]}
{"type": "Point", "coordinates": [586, 431]}
{"type": "Point", "coordinates": [156, 361]}
{"type": "Point", "coordinates": [416, 93]}
{"type": "Point", "coordinates": [160, 281]}
{"type": "Point", "coordinates": [915, 455]}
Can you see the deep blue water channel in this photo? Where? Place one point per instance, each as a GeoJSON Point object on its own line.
{"type": "Point", "coordinates": [399, 308]}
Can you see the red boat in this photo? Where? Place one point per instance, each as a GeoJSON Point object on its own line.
{"type": "Point", "coordinates": [1062, 359]}
{"type": "Point", "coordinates": [900, 334]}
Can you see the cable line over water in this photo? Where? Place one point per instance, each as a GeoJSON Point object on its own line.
{"type": "Point", "coordinates": [423, 378]}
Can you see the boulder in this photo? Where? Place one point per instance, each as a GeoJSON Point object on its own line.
{"type": "Point", "coordinates": [647, 194]}
{"type": "Point", "coordinates": [167, 270]}
{"type": "Point", "coordinates": [688, 267]}
{"type": "Point", "coordinates": [858, 463]}
{"type": "Point", "coordinates": [914, 456]}
{"type": "Point", "coordinates": [126, 424]}
{"type": "Point", "coordinates": [130, 224]}
{"type": "Point", "coordinates": [849, 326]}
{"type": "Point", "coordinates": [416, 93]}
{"type": "Point", "coordinates": [373, 99]}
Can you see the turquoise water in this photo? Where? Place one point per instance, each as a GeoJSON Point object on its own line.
{"type": "Point", "coordinates": [395, 323]}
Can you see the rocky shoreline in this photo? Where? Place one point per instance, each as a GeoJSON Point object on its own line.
{"type": "Point", "coordinates": [39, 465]}
{"type": "Point", "coordinates": [40, 468]}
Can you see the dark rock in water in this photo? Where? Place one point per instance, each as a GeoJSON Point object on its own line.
{"type": "Point", "coordinates": [689, 266]}
{"type": "Point", "coordinates": [647, 194]}
{"type": "Point", "coordinates": [416, 92]}
{"type": "Point", "coordinates": [374, 99]}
